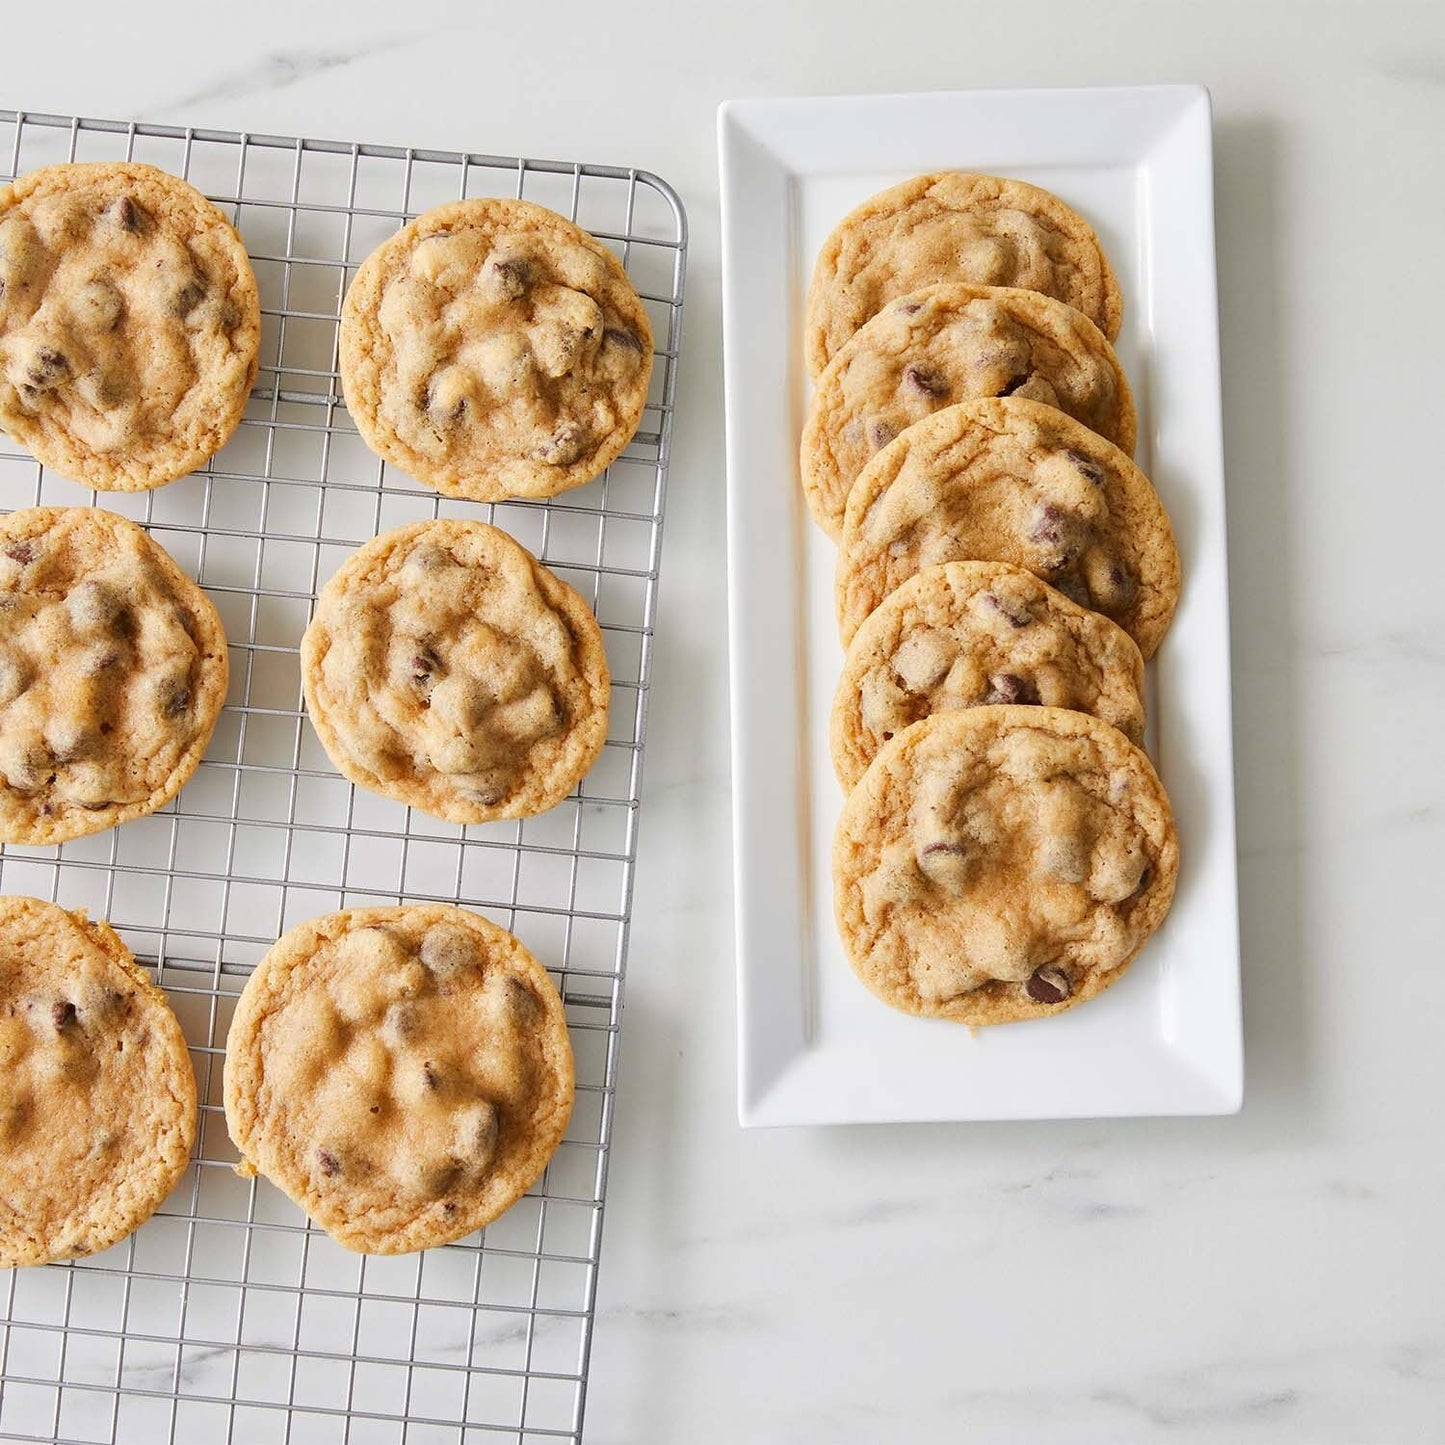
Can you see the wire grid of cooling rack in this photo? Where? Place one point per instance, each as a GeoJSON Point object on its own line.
{"type": "Point", "coordinates": [226, 1316]}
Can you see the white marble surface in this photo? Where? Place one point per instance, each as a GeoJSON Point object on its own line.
{"type": "Point", "coordinates": [1273, 1277]}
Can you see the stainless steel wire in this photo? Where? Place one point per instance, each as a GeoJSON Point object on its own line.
{"type": "Point", "coordinates": [228, 1316]}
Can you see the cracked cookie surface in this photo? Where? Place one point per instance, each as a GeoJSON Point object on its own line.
{"type": "Point", "coordinates": [948, 344]}
{"type": "Point", "coordinates": [403, 1074]}
{"type": "Point", "coordinates": [130, 323]}
{"type": "Point", "coordinates": [1002, 863]}
{"type": "Point", "coordinates": [973, 634]}
{"type": "Point", "coordinates": [449, 669]}
{"type": "Point", "coordinates": [98, 1109]}
{"type": "Point", "coordinates": [493, 349]}
{"type": "Point", "coordinates": [955, 226]}
{"type": "Point", "coordinates": [113, 671]}
{"type": "Point", "coordinates": [1008, 480]}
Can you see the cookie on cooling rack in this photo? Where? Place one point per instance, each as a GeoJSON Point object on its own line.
{"type": "Point", "coordinates": [98, 1108]}
{"type": "Point", "coordinates": [948, 344]}
{"type": "Point", "coordinates": [953, 226]}
{"type": "Point", "coordinates": [449, 669]}
{"type": "Point", "coordinates": [130, 323]}
{"type": "Point", "coordinates": [403, 1074]}
{"type": "Point", "coordinates": [493, 349]}
{"type": "Point", "coordinates": [1009, 480]}
{"type": "Point", "coordinates": [1002, 863]}
{"type": "Point", "coordinates": [972, 634]}
{"type": "Point", "coordinates": [113, 670]}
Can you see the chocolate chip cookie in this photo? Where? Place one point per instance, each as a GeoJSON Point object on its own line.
{"type": "Point", "coordinates": [972, 634]}
{"type": "Point", "coordinates": [98, 1104]}
{"type": "Point", "coordinates": [951, 226]}
{"type": "Point", "coordinates": [948, 344]}
{"type": "Point", "coordinates": [113, 670]}
{"type": "Point", "coordinates": [493, 349]}
{"type": "Point", "coordinates": [1008, 480]}
{"type": "Point", "coordinates": [448, 669]}
{"type": "Point", "coordinates": [1002, 863]}
{"type": "Point", "coordinates": [129, 323]}
{"type": "Point", "coordinates": [403, 1074]}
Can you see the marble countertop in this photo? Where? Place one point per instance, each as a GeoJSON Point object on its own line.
{"type": "Point", "coordinates": [1276, 1276]}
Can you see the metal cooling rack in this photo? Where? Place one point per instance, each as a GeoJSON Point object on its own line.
{"type": "Point", "coordinates": [227, 1316]}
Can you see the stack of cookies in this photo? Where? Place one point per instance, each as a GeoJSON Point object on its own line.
{"type": "Point", "coordinates": [403, 1073]}
{"type": "Point", "coordinates": [1004, 572]}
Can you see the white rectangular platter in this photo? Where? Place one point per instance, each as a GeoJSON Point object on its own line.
{"type": "Point", "coordinates": [814, 1046]}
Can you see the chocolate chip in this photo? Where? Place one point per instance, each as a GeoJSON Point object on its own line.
{"type": "Point", "coordinates": [428, 558]}
{"type": "Point", "coordinates": [176, 699]}
{"type": "Point", "coordinates": [327, 1162]}
{"type": "Point", "coordinates": [447, 950]}
{"type": "Point", "coordinates": [1013, 384]}
{"type": "Point", "coordinates": [1009, 687]}
{"type": "Point", "coordinates": [926, 383]}
{"type": "Point", "coordinates": [1121, 587]}
{"type": "Point", "coordinates": [230, 316]}
{"type": "Point", "coordinates": [1048, 984]}
{"type": "Point", "coordinates": [1058, 533]}
{"type": "Point", "coordinates": [429, 1077]}
{"type": "Point", "coordinates": [1017, 617]}
{"type": "Point", "coordinates": [63, 1014]}
{"type": "Point", "coordinates": [21, 552]}
{"type": "Point", "coordinates": [127, 214]}
{"type": "Point", "coordinates": [449, 1209]}
{"type": "Point", "coordinates": [908, 308]}
{"type": "Point", "coordinates": [944, 863]}
{"type": "Point", "coordinates": [1048, 526]}
{"type": "Point", "coordinates": [47, 368]}
{"type": "Point", "coordinates": [506, 278]}
{"type": "Point", "coordinates": [880, 433]}
{"type": "Point", "coordinates": [566, 443]}
{"type": "Point", "coordinates": [624, 339]}
{"type": "Point", "coordinates": [446, 397]}
{"type": "Point", "coordinates": [1086, 466]}
{"type": "Point", "coordinates": [187, 298]}
{"type": "Point", "coordinates": [426, 667]}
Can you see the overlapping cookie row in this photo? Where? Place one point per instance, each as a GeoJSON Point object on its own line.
{"type": "Point", "coordinates": [1004, 571]}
